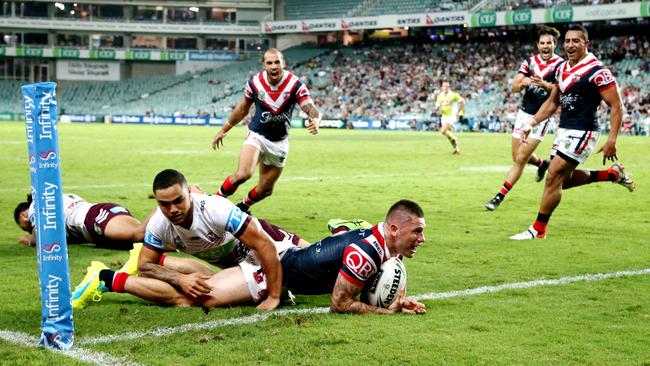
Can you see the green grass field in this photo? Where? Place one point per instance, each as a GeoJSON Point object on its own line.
{"type": "Point", "coordinates": [600, 228]}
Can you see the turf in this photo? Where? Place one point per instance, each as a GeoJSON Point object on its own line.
{"type": "Point", "coordinates": [599, 228]}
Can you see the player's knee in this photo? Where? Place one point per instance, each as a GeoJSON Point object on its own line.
{"type": "Point", "coordinates": [521, 159]}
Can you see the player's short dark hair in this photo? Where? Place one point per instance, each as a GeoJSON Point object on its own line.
{"type": "Point", "coordinates": [444, 80]}
{"type": "Point", "coordinates": [272, 50]}
{"type": "Point", "coordinates": [545, 30]}
{"type": "Point", "coordinates": [168, 178]}
{"type": "Point", "coordinates": [578, 27]}
{"type": "Point", "coordinates": [407, 206]}
{"type": "Point", "coordinates": [22, 207]}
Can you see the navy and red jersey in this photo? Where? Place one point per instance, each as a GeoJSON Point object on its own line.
{"type": "Point", "coordinates": [535, 96]}
{"type": "Point", "coordinates": [580, 88]}
{"type": "Point", "coordinates": [274, 103]}
{"type": "Point", "coordinates": [357, 255]}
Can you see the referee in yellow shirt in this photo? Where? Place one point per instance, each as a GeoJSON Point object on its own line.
{"type": "Point", "coordinates": [451, 105]}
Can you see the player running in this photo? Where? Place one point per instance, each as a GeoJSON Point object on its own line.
{"type": "Point", "coordinates": [107, 225]}
{"type": "Point", "coordinates": [450, 105]}
{"type": "Point", "coordinates": [582, 83]}
{"type": "Point", "coordinates": [536, 76]}
{"type": "Point", "coordinates": [274, 92]}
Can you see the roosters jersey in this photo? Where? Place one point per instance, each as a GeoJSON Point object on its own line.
{"type": "Point", "coordinates": [535, 96]}
{"type": "Point", "coordinates": [274, 103]}
{"type": "Point", "coordinates": [216, 225]}
{"type": "Point", "coordinates": [580, 88]}
{"type": "Point", "coordinates": [75, 210]}
{"type": "Point", "coordinates": [357, 255]}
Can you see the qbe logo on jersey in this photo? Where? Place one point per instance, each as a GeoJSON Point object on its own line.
{"type": "Point", "coordinates": [359, 263]}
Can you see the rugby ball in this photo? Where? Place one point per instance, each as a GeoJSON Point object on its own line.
{"type": "Point", "coordinates": [386, 285]}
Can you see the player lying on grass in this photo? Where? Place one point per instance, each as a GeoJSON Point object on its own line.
{"type": "Point", "coordinates": [343, 264]}
{"type": "Point", "coordinates": [210, 228]}
{"type": "Point", "coordinates": [107, 225]}
{"type": "Point", "coordinates": [192, 283]}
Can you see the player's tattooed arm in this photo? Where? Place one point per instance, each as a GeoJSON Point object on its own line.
{"type": "Point", "coordinates": [313, 117]}
{"type": "Point", "coordinates": [344, 299]}
{"type": "Point", "coordinates": [193, 284]}
{"type": "Point", "coordinates": [549, 106]}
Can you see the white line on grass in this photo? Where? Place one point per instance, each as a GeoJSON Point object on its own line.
{"type": "Point", "coordinates": [431, 296]}
{"type": "Point", "coordinates": [78, 353]}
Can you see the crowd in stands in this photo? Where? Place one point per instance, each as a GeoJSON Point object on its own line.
{"type": "Point", "coordinates": [402, 81]}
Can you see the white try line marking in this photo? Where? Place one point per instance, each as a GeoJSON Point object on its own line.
{"type": "Point", "coordinates": [78, 353]}
{"type": "Point", "coordinates": [158, 332]}
{"type": "Point", "coordinates": [99, 358]}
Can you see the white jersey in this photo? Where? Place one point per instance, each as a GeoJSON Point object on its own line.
{"type": "Point", "coordinates": [216, 224]}
{"type": "Point", "coordinates": [75, 210]}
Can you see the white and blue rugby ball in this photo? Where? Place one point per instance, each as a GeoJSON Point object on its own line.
{"type": "Point", "coordinates": [386, 285]}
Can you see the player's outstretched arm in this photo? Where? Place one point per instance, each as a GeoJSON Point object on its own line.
{"type": "Point", "coordinates": [257, 239]}
{"type": "Point", "coordinates": [313, 117]}
{"type": "Point", "coordinates": [193, 284]}
{"type": "Point", "coordinates": [29, 240]}
{"type": "Point", "coordinates": [344, 300]}
{"type": "Point", "coordinates": [613, 100]}
{"type": "Point", "coordinates": [187, 266]}
{"type": "Point", "coordinates": [235, 117]}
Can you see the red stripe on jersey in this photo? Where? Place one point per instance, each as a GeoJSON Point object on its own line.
{"type": "Point", "coordinates": [287, 77]}
{"type": "Point", "coordinates": [277, 111]}
{"type": "Point", "coordinates": [378, 235]}
{"type": "Point", "coordinates": [602, 89]}
{"type": "Point", "coordinates": [566, 74]}
{"type": "Point", "coordinates": [579, 65]}
{"type": "Point", "coordinates": [352, 280]}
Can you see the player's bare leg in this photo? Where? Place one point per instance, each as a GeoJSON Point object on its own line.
{"type": "Point", "coordinates": [127, 228]}
{"type": "Point", "coordinates": [558, 171]}
{"type": "Point", "coordinates": [156, 291]}
{"type": "Point", "coordinates": [229, 287]}
{"type": "Point", "coordinates": [446, 130]}
{"type": "Point", "coordinates": [248, 159]}
{"type": "Point", "coordinates": [521, 157]}
{"type": "Point", "coordinates": [614, 174]}
{"type": "Point", "coordinates": [269, 175]}
{"type": "Point", "coordinates": [525, 154]}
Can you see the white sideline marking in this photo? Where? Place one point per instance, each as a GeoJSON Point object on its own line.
{"type": "Point", "coordinates": [78, 353]}
{"type": "Point", "coordinates": [431, 296]}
